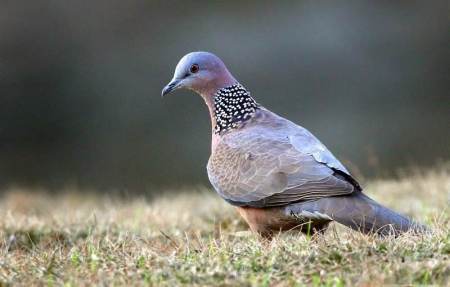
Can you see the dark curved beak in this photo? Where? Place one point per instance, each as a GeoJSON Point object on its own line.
{"type": "Point", "coordinates": [173, 85]}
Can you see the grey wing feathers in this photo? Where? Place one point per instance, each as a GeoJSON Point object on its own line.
{"type": "Point", "coordinates": [306, 142]}
{"type": "Point", "coordinates": [275, 164]}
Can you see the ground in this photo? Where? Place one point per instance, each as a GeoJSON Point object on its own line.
{"type": "Point", "coordinates": [195, 238]}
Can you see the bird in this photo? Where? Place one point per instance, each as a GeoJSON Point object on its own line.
{"type": "Point", "coordinates": [276, 173]}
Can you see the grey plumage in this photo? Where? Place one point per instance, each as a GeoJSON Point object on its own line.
{"type": "Point", "coordinates": [358, 212]}
{"type": "Point", "coordinates": [269, 161]}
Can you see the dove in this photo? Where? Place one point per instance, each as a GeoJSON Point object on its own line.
{"type": "Point", "coordinates": [276, 173]}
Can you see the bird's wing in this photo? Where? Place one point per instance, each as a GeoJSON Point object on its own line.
{"type": "Point", "coordinates": [275, 166]}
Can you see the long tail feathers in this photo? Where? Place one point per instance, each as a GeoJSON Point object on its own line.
{"type": "Point", "coordinates": [361, 213]}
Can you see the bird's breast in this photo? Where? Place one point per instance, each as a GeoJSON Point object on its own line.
{"type": "Point", "coordinates": [267, 221]}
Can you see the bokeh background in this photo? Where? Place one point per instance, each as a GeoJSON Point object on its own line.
{"type": "Point", "coordinates": [80, 85]}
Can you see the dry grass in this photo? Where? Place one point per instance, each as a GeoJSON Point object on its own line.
{"type": "Point", "coordinates": [195, 238]}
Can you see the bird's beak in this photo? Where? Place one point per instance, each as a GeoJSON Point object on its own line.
{"type": "Point", "coordinates": [172, 86]}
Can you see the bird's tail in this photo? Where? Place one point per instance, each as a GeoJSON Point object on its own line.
{"type": "Point", "coordinates": [359, 212]}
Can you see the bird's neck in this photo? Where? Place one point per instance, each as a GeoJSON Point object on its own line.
{"type": "Point", "coordinates": [229, 107]}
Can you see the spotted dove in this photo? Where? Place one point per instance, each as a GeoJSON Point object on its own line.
{"type": "Point", "coordinates": [277, 174]}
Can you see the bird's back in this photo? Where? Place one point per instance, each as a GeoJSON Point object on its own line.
{"type": "Point", "coordinates": [269, 156]}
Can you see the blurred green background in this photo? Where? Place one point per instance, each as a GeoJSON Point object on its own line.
{"type": "Point", "coordinates": [80, 84]}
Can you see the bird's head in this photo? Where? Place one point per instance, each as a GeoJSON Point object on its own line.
{"type": "Point", "coordinates": [202, 72]}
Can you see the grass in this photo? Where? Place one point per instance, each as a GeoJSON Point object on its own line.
{"type": "Point", "coordinates": [195, 238]}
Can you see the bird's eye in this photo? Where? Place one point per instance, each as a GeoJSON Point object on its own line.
{"type": "Point", "coordinates": [194, 68]}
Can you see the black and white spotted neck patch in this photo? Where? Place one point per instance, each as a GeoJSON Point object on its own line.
{"type": "Point", "coordinates": [232, 106]}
